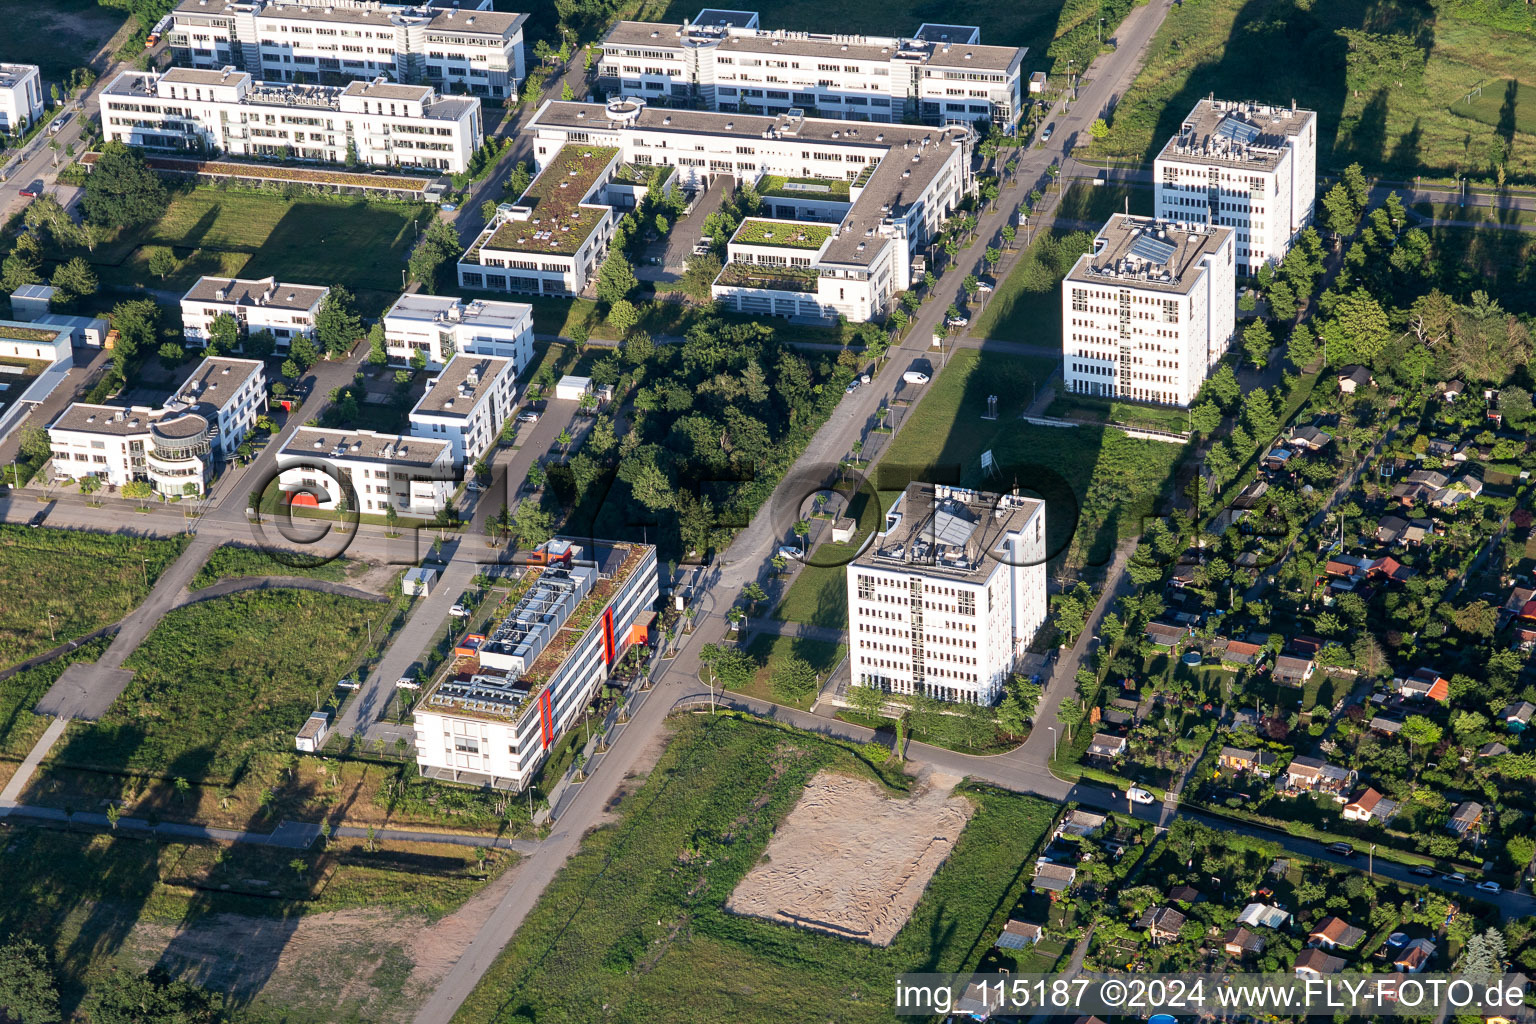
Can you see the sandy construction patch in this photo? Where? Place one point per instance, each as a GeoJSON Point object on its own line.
{"type": "Point", "coordinates": [851, 861]}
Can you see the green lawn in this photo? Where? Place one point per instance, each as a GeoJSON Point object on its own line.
{"type": "Point", "coordinates": [19, 727]}
{"type": "Point", "coordinates": [360, 244]}
{"type": "Point", "coordinates": [238, 560]}
{"type": "Point", "coordinates": [1027, 304]}
{"type": "Point", "coordinates": [221, 680]}
{"type": "Point", "coordinates": [1098, 484]}
{"type": "Point", "coordinates": [1100, 410]}
{"type": "Point", "coordinates": [634, 928]}
{"type": "Point", "coordinates": [1395, 100]}
{"type": "Point", "coordinates": [83, 580]}
{"type": "Point", "coordinates": [819, 595]}
{"type": "Point", "coordinates": [768, 651]}
{"type": "Point", "coordinates": [58, 36]}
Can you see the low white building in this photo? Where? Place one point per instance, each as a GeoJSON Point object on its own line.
{"type": "Point", "coordinates": [371, 472]}
{"type": "Point", "coordinates": [31, 302]}
{"type": "Point", "coordinates": [21, 96]}
{"type": "Point", "coordinates": [441, 326]}
{"type": "Point", "coordinates": [492, 718]}
{"type": "Point", "coordinates": [175, 447]}
{"type": "Point", "coordinates": [466, 405]}
{"type": "Point", "coordinates": [288, 311]}
{"type": "Point", "coordinates": [1149, 312]}
{"type": "Point", "coordinates": [781, 267]}
{"type": "Point", "coordinates": [552, 239]}
{"type": "Point", "coordinates": [40, 342]}
{"type": "Point", "coordinates": [461, 46]}
{"type": "Point", "coordinates": [949, 595]}
{"type": "Point", "coordinates": [723, 60]}
{"type": "Point", "coordinates": [375, 124]}
{"type": "Point", "coordinates": [1246, 166]}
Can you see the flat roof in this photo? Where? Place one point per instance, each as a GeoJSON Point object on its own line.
{"type": "Point", "coordinates": [121, 420]}
{"type": "Point", "coordinates": [365, 445]}
{"type": "Point", "coordinates": [1238, 133]}
{"type": "Point", "coordinates": [377, 90]}
{"type": "Point", "coordinates": [202, 76]}
{"type": "Point", "coordinates": [719, 16]}
{"type": "Point", "coordinates": [786, 234]}
{"type": "Point", "coordinates": [1148, 253]}
{"type": "Point", "coordinates": [216, 380]}
{"type": "Point", "coordinates": [265, 291]}
{"type": "Point", "coordinates": [559, 223]}
{"type": "Point", "coordinates": [935, 529]}
{"type": "Point", "coordinates": [14, 74]}
{"type": "Point", "coordinates": [27, 330]}
{"type": "Point", "coordinates": [450, 310]}
{"type": "Point", "coordinates": [733, 37]}
{"type": "Point", "coordinates": [464, 381]}
{"type": "Point", "coordinates": [937, 33]}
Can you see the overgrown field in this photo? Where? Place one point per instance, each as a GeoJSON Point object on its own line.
{"type": "Point", "coordinates": [84, 580]}
{"type": "Point", "coordinates": [237, 560]}
{"type": "Point", "coordinates": [222, 679]}
{"type": "Point", "coordinates": [19, 727]}
{"type": "Point", "coordinates": [634, 928]}
{"type": "Point", "coordinates": [1390, 83]}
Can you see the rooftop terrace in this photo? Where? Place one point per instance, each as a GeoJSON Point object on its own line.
{"type": "Point", "coordinates": [557, 223]}
{"type": "Point", "coordinates": [785, 234]}
{"type": "Point", "coordinates": [777, 186]}
{"type": "Point", "coordinates": [777, 279]}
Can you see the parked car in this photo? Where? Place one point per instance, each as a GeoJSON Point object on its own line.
{"type": "Point", "coordinates": [1492, 887]}
{"type": "Point", "coordinates": [1050, 130]}
{"type": "Point", "coordinates": [58, 123]}
{"type": "Point", "coordinates": [915, 377]}
{"type": "Point", "coordinates": [1454, 878]}
{"type": "Point", "coordinates": [37, 520]}
{"type": "Point", "coordinates": [458, 611]}
{"type": "Point", "coordinates": [1424, 872]}
{"type": "Point", "coordinates": [1341, 849]}
{"type": "Point", "coordinates": [957, 321]}
{"type": "Point", "coordinates": [789, 551]}
{"type": "Point", "coordinates": [33, 190]}
{"type": "Point", "coordinates": [528, 416]}
{"type": "Point", "coordinates": [1138, 795]}
{"type": "Point", "coordinates": [853, 386]}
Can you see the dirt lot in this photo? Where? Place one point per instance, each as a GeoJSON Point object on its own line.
{"type": "Point", "coordinates": [850, 860]}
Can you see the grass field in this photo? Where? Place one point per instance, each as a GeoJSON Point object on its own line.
{"type": "Point", "coordinates": [768, 650]}
{"type": "Point", "coordinates": [1391, 95]}
{"type": "Point", "coordinates": [19, 728]}
{"type": "Point", "coordinates": [237, 560]}
{"type": "Point", "coordinates": [80, 896]}
{"type": "Point", "coordinates": [84, 580]}
{"type": "Point", "coordinates": [1501, 104]}
{"type": "Point", "coordinates": [1027, 304]}
{"type": "Point", "coordinates": [633, 929]}
{"type": "Point", "coordinates": [221, 680]}
{"type": "Point", "coordinates": [362, 245]}
{"type": "Point", "coordinates": [1098, 484]}
{"type": "Point", "coordinates": [1101, 410]}
{"type": "Point", "coordinates": [818, 595]}
{"type": "Point", "coordinates": [57, 36]}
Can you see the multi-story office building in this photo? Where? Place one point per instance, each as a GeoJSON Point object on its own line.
{"type": "Point", "coordinates": [21, 96]}
{"type": "Point", "coordinates": [1245, 166]}
{"type": "Point", "coordinates": [176, 446]}
{"type": "Point", "coordinates": [949, 595]}
{"type": "Point", "coordinates": [440, 326]}
{"type": "Point", "coordinates": [287, 311]}
{"type": "Point", "coordinates": [491, 718]}
{"type": "Point", "coordinates": [1148, 313]}
{"type": "Point", "coordinates": [458, 46]}
{"type": "Point", "coordinates": [878, 192]}
{"type": "Point", "coordinates": [372, 472]}
{"type": "Point", "coordinates": [466, 405]}
{"type": "Point", "coordinates": [723, 60]}
{"type": "Point", "coordinates": [376, 124]}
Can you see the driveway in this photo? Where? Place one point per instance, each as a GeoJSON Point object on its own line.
{"type": "Point", "coordinates": [674, 250]}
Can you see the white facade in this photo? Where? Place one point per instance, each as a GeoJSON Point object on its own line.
{"type": "Point", "coordinates": [901, 183]}
{"type": "Point", "coordinates": [28, 340]}
{"type": "Point", "coordinates": [466, 405]}
{"type": "Point", "coordinates": [369, 471]}
{"type": "Point", "coordinates": [1149, 312]}
{"type": "Point", "coordinates": [21, 96]}
{"type": "Point", "coordinates": [288, 311]}
{"type": "Point", "coordinates": [227, 111]}
{"type": "Point", "coordinates": [787, 280]}
{"type": "Point", "coordinates": [440, 326]}
{"type": "Point", "coordinates": [949, 595]}
{"type": "Point", "coordinates": [492, 719]}
{"type": "Point", "coordinates": [462, 47]}
{"type": "Point", "coordinates": [1246, 166]}
{"type": "Point", "coordinates": [724, 61]}
{"type": "Point", "coordinates": [174, 447]}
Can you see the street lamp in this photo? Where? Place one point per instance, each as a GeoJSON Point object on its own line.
{"type": "Point", "coordinates": [144, 564]}
{"type": "Point", "coordinates": [1052, 728]}
{"type": "Point", "coordinates": [1370, 862]}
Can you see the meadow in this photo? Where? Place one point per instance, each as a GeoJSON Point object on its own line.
{"type": "Point", "coordinates": [236, 560]}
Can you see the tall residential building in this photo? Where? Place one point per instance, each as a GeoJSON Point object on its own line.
{"type": "Point", "coordinates": [413, 475]}
{"type": "Point", "coordinates": [438, 326]}
{"type": "Point", "coordinates": [877, 193]}
{"type": "Point", "coordinates": [287, 311]}
{"type": "Point", "coordinates": [376, 124]}
{"type": "Point", "coordinates": [21, 96]}
{"type": "Point", "coordinates": [1148, 313]}
{"type": "Point", "coordinates": [458, 46]}
{"type": "Point", "coordinates": [949, 595]}
{"type": "Point", "coordinates": [1245, 166]}
{"type": "Point", "coordinates": [723, 60]}
{"type": "Point", "coordinates": [491, 718]}
{"type": "Point", "coordinates": [176, 446]}
{"type": "Point", "coordinates": [466, 405]}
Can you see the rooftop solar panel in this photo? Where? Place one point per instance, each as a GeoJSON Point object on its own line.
{"type": "Point", "coordinates": [1238, 131]}
{"type": "Point", "coordinates": [1151, 249]}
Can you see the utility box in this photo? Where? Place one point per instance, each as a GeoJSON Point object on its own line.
{"type": "Point", "coordinates": [311, 738]}
{"type": "Point", "coordinates": [418, 581]}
